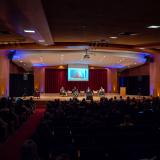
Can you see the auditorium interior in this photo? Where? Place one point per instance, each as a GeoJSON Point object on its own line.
{"type": "Point", "coordinates": [79, 80]}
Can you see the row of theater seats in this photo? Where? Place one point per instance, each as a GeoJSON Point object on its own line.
{"type": "Point", "coordinates": [111, 129]}
{"type": "Point", "coordinates": [13, 112]}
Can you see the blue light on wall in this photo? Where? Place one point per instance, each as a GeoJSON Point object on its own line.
{"type": "Point", "coordinates": [19, 55]}
{"type": "Point", "coordinates": [115, 66]}
{"type": "Point", "coordinates": [142, 57]}
{"type": "Point", "coordinates": [39, 65]}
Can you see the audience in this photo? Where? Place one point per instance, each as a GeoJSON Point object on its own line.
{"type": "Point", "coordinates": [114, 128]}
{"type": "Point", "coordinates": [12, 114]}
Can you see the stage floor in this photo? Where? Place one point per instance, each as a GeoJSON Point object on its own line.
{"type": "Point", "coordinates": [53, 96]}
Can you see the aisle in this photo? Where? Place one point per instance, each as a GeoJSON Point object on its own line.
{"type": "Point", "coordinates": [10, 150]}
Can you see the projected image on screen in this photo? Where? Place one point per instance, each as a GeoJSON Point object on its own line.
{"type": "Point", "coordinates": [77, 74]}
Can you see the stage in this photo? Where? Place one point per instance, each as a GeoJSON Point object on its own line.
{"type": "Point", "coordinates": [44, 97]}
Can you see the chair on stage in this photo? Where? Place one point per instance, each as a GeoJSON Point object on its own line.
{"type": "Point", "coordinates": [95, 93]}
{"type": "Point", "coordinates": [69, 93]}
{"type": "Point", "coordinates": [82, 93]}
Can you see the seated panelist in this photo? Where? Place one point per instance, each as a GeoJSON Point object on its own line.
{"type": "Point", "coordinates": [101, 92]}
{"type": "Point", "coordinates": [89, 94]}
{"type": "Point", "coordinates": [63, 91]}
{"type": "Point", "coordinates": [75, 92]}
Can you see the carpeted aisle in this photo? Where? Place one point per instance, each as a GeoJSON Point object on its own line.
{"type": "Point", "coordinates": [10, 150]}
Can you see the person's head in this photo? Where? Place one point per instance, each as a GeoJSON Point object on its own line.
{"type": "Point", "coordinates": [127, 118]}
{"type": "Point", "coordinates": [115, 98]}
{"type": "Point", "coordinates": [63, 157]}
{"type": "Point", "coordinates": [29, 150]}
{"type": "Point", "coordinates": [128, 98]}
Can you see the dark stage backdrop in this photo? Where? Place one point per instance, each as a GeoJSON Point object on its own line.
{"type": "Point", "coordinates": [135, 85]}
{"type": "Point", "coordinates": [20, 83]}
{"type": "Point", "coordinates": [55, 78]}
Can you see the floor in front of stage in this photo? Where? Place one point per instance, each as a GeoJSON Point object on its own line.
{"type": "Point", "coordinates": [52, 96]}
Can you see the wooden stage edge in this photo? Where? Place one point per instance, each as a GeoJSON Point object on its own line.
{"type": "Point", "coordinates": [45, 97]}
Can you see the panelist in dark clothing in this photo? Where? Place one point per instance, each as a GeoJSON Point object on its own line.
{"type": "Point", "coordinates": [101, 92]}
{"type": "Point", "coordinates": [89, 94]}
{"type": "Point", "coordinates": [75, 92]}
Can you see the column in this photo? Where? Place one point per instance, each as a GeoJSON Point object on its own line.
{"type": "Point", "coordinates": [154, 70]}
{"type": "Point", "coordinates": [39, 78]}
{"type": "Point", "coordinates": [112, 80]}
{"type": "Point", "coordinates": [4, 73]}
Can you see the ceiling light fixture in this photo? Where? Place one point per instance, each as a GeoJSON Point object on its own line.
{"type": "Point", "coordinates": [142, 48]}
{"type": "Point", "coordinates": [113, 37]}
{"type": "Point", "coordinates": [153, 27]}
{"type": "Point", "coordinates": [29, 31]}
{"type": "Point", "coordinates": [41, 40]}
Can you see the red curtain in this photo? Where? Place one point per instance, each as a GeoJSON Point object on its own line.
{"type": "Point", "coordinates": [55, 78]}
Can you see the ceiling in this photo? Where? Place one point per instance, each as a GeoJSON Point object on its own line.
{"type": "Point", "coordinates": [103, 58]}
{"type": "Point", "coordinates": [81, 21]}
{"type": "Point", "coordinates": [85, 20]}
{"type": "Point", "coordinates": [115, 25]}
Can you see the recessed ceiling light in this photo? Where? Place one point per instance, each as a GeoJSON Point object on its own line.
{"type": "Point", "coordinates": [29, 31]}
{"type": "Point", "coordinates": [113, 37]}
{"type": "Point", "coordinates": [153, 27]}
{"type": "Point", "coordinates": [141, 48]}
{"type": "Point", "coordinates": [21, 61]}
{"type": "Point", "coordinates": [104, 56]}
{"type": "Point", "coordinates": [133, 34]}
{"type": "Point", "coordinates": [41, 40]}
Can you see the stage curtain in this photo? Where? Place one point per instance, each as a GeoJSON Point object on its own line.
{"type": "Point", "coordinates": [55, 78]}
